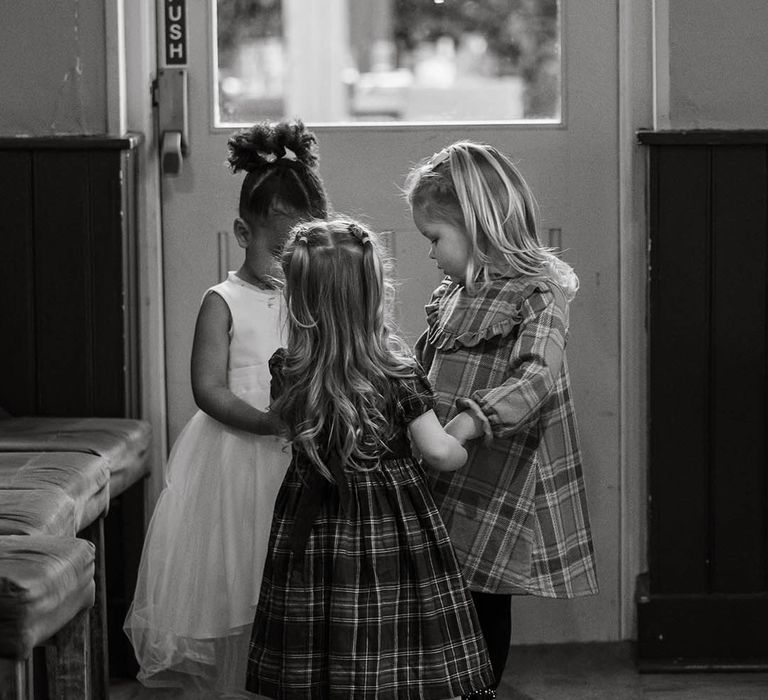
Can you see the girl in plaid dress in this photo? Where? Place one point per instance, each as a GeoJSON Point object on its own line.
{"type": "Point", "coordinates": [494, 350]}
{"type": "Point", "coordinates": [362, 596]}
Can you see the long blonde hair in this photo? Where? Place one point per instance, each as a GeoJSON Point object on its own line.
{"type": "Point", "coordinates": [342, 354]}
{"type": "Point", "coordinates": [478, 188]}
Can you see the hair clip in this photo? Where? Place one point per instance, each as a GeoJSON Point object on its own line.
{"type": "Point", "coordinates": [289, 155]}
{"type": "Point", "coordinates": [439, 157]}
{"type": "Point", "coordinates": [301, 238]}
{"type": "Point", "coordinates": [269, 157]}
{"type": "Point", "coordinates": [358, 232]}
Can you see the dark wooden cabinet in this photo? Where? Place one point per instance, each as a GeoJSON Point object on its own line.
{"type": "Point", "coordinates": [69, 310]}
{"type": "Point", "coordinates": [68, 282]}
{"type": "Point", "coordinates": [704, 599]}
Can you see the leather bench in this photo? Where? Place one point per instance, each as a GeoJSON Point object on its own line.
{"type": "Point", "coordinates": [62, 493]}
{"type": "Point", "coordinates": [84, 478]}
{"type": "Point", "coordinates": [46, 589]}
{"type": "Point", "coordinates": [122, 442]}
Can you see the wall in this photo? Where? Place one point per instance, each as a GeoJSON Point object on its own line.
{"type": "Point", "coordinates": [718, 52]}
{"type": "Point", "coordinates": [52, 67]}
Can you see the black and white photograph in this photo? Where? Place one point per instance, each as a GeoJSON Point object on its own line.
{"type": "Point", "coordinates": [383, 350]}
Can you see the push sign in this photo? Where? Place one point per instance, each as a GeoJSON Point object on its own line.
{"type": "Point", "coordinates": [175, 32]}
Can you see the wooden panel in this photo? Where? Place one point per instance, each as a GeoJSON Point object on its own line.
{"type": "Point", "coordinates": [107, 292]}
{"type": "Point", "coordinates": [703, 137]}
{"type": "Point", "coordinates": [17, 349]}
{"type": "Point", "coordinates": [679, 317]}
{"type": "Point", "coordinates": [738, 327]}
{"type": "Point", "coordinates": [67, 657]}
{"type": "Point", "coordinates": [63, 300]}
{"type": "Point", "coordinates": [711, 627]}
{"type": "Point", "coordinates": [73, 142]}
{"type": "Point", "coordinates": [707, 601]}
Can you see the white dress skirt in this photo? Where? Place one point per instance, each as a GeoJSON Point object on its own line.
{"type": "Point", "coordinates": [204, 553]}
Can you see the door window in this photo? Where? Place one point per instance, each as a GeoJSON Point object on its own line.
{"type": "Point", "coordinates": [387, 60]}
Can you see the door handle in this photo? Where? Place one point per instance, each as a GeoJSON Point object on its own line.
{"type": "Point", "coordinates": [171, 153]}
{"type": "Point", "coordinates": [172, 121]}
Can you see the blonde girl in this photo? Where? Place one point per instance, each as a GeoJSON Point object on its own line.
{"type": "Point", "coordinates": [362, 596]}
{"type": "Point", "coordinates": [494, 351]}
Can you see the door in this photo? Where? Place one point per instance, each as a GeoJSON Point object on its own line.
{"type": "Point", "coordinates": [571, 163]}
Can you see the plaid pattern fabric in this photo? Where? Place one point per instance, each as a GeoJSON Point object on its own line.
{"type": "Point", "coordinates": [517, 511]}
{"type": "Point", "coordinates": [378, 607]}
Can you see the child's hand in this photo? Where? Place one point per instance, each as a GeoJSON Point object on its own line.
{"type": "Point", "coordinates": [470, 424]}
{"type": "Point", "coordinates": [462, 427]}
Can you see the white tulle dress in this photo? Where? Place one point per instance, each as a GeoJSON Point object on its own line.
{"type": "Point", "coordinates": [201, 567]}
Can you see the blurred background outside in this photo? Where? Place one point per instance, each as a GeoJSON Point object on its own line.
{"type": "Point", "coordinates": [331, 61]}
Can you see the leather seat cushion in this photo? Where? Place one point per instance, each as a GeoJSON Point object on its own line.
{"type": "Point", "coordinates": [83, 477]}
{"type": "Point", "coordinates": [123, 442]}
{"type": "Point", "coordinates": [44, 582]}
{"type": "Point", "coordinates": [37, 512]}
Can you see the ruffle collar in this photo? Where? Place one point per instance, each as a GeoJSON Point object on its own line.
{"type": "Point", "coordinates": [456, 319]}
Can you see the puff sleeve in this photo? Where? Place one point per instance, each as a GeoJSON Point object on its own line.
{"type": "Point", "coordinates": [415, 396]}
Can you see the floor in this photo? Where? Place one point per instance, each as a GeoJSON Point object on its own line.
{"type": "Point", "coordinates": [608, 672]}
{"type": "Point", "coordinates": [574, 672]}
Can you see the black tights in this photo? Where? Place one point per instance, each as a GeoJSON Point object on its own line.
{"type": "Point", "coordinates": [494, 611]}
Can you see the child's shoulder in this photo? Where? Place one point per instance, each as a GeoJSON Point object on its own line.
{"type": "Point", "coordinates": [235, 287]}
{"type": "Point", "coordinates": [457, 318]}
{"type": "Point", "coordinates": [249, 305]}
{"type": "Point", "coordinates": [224, 290]}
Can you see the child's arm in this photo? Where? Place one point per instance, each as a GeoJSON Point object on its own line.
{"type": "Point", "coordinates": [535, 362]}
{"type": "Point", "coordinates": [210, 356]}
{"type": "Point", "coordinates": [440, 450]}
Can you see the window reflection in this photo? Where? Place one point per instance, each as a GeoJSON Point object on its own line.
{"type": "Point", "coordinates": [388, 60]}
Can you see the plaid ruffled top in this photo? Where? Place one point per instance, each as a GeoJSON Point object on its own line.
{"type": "Point", "coordinates": [517, 511]}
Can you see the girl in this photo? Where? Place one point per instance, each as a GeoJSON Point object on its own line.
{"type": "Point", "coordinates": [200, 570]}
{"type": "Point", "coordinates": [362, 596]}
{"type": "Point", "coordinates": [494, 350]}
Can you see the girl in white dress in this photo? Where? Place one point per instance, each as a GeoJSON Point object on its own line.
{"type": "Point", "coordinates": [201, 568]}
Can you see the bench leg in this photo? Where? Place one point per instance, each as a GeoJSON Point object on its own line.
{"type": "Point", "coordinates": [98, 615]}
{"type": "Point", "coordinates": [15, 679]}
{"type": "Point", "coordinates": [68, 660]}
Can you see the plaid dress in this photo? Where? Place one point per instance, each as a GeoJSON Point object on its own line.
{"type": "Point", "coordinates": [517, 511]}
{"type": "Point", "coordinates": [376, 607]}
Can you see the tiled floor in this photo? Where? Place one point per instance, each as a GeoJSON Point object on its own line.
{"type": "Point", "coordinates": [575, 672]}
